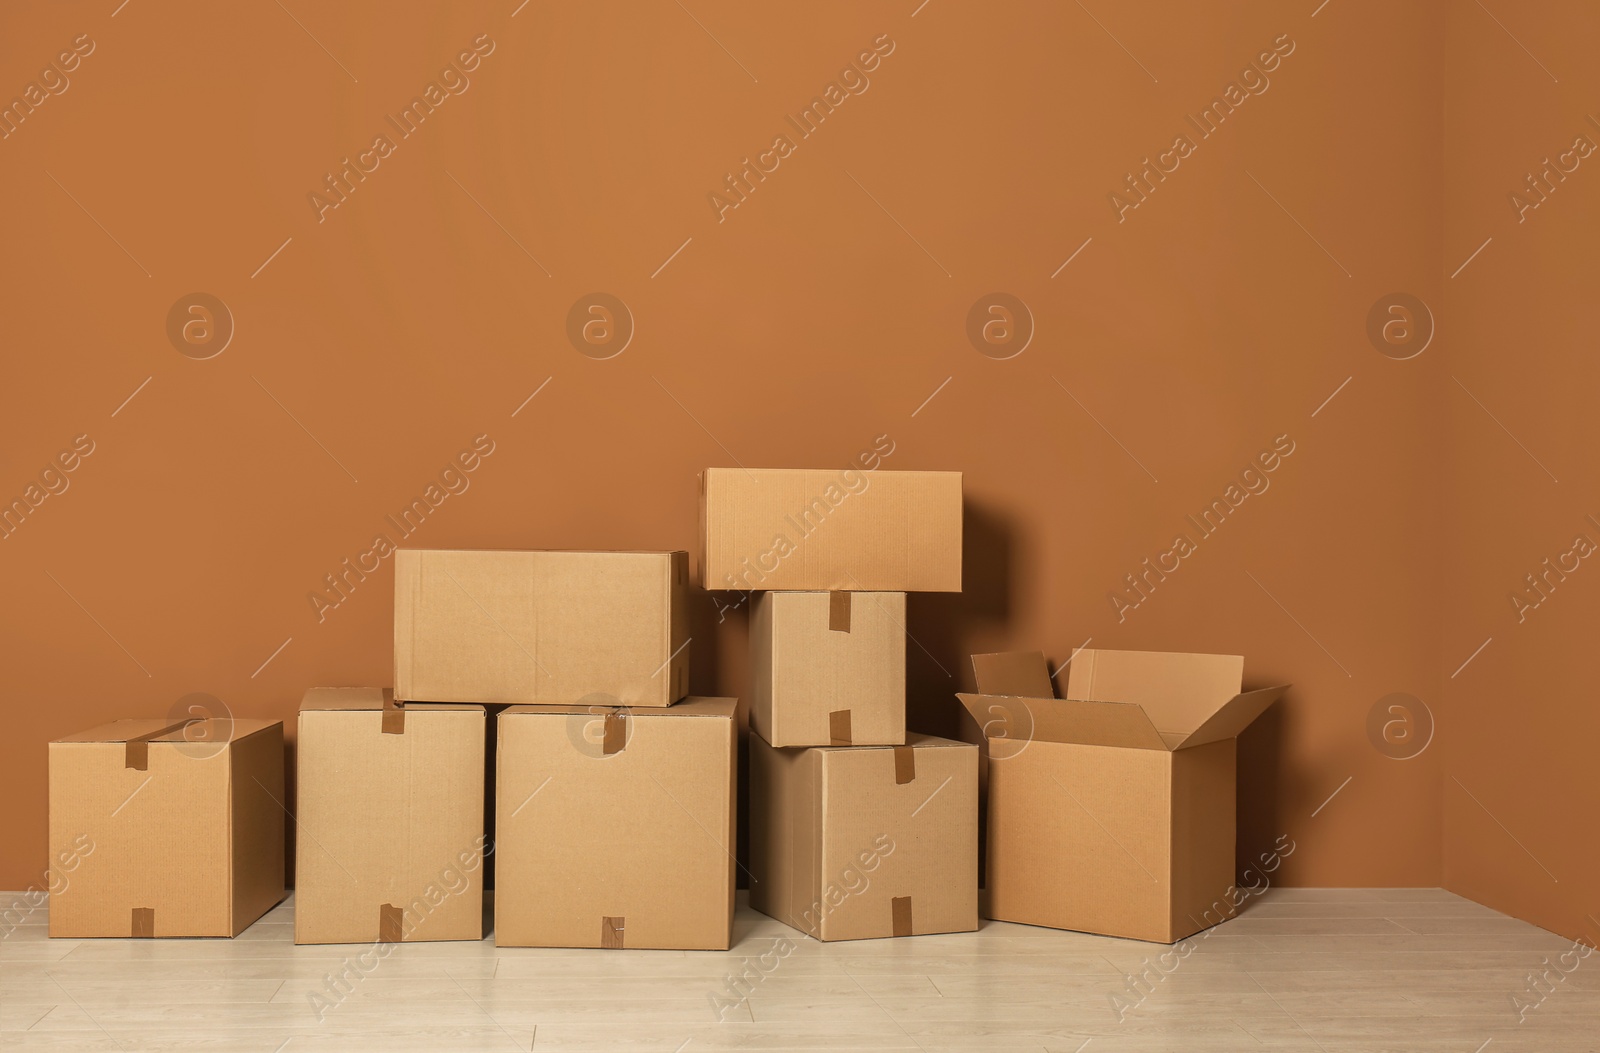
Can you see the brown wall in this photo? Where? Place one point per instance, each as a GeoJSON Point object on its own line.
{"type": "Point", "coordinates": [1520, 796]}
{"type": "Point", "coordinates": [1176, 346]}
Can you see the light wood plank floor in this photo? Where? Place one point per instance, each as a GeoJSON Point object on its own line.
{"type": "Point", "coordinates": [1301, 971]}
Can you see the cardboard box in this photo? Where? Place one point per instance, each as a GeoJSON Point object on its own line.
{"type": "Point", "coordinates": [390, 816]}
{"type": "Point", "coordinates": [774, 529]}
{"type": "Point", "coordinates": [172, 828]}
{"type": "Point", "coordinates": [559, 628]}
{"type": "Point", "coordinates": [1113, 812]}
{"type": "Point", "coordinates": [616, 827]}
{"type": "Point", "coordinates": [854, 843]}
{"type": "Point", "coordinates": [829, 668]}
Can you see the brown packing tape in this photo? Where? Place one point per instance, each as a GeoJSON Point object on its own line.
{"type": "Point", "coordinates": [611, 933]}
{"type": "Point", "coordinates": [905, 764]}
{"type": "Point", "coordinates": [394, 715]}
{"type": "Point", "coordinates": [391, 923]}
{"type": "Point", "coordinates": [839, 727]}
{"type": "Point", "coordinates": [839, 612]}
{"type": "Point", "coordinates": [616, 733]}
{"type": "Point", "coordinates": [900, 912]}
{"type": "Point", "coordinates": [143, 925]}
{"type": "Point", "coordinates": [136, 751]}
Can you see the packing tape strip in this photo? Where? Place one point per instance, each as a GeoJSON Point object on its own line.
{"type": "Point", "coordinates": [900, 914]}
{"type": "Point", "coordinates": [615, 737]}
{"type": "Point", "coordinates": [839, 728]}
{"type": "Point", "coordinates": [394, 715]}
{"type": "Point", "coordinates": [143, 923]}
{"type": "Point", "coordinates": [905, 765]}
{"type": "Point", "coordinates": [136, 751]}
{"type": "Point", "coordinates": [611, 933]}
{"type": "Point", "coordinates": [839, 612]}
{"type": "Point", "coordinates": [391, 923]}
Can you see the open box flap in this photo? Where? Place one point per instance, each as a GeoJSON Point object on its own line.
{"type": "Point", "coordinates": [1236, 715]}
{"type": "Point", "coordinates": [1024, 720]}
{"type": "Point", "coordinates": [1180, 692]}
{"type": "Point", "coordinates": [1013, 673]}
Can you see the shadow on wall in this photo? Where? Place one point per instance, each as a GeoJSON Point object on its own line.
{"type": "Point", "coordinates": [1262, 785]}
{"type": "Point", "coordinates": [940, 625]}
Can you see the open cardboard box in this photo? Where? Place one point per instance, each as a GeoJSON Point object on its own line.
{"type": "Point", "coordinates": [1112, 810]}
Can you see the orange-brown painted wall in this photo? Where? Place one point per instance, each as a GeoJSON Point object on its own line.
{"type": "Point", "coordinates": [1520, 796]}
{"type": "Point", "coordinates": [1172, 344]}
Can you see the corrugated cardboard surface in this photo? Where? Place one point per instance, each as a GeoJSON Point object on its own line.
{"type": "Point", "coordinates": [628, 848]}
{"type": "Point", "coordinates": [1079, 837]}
{"type": "Point", "coordinates": [192, 845]}
{"type": "Point", "coordinates": [541, 627]}
{"type": "Point", "coordinates": [388, 819]}
{"type": "Point", "coordinates": [862, 842]}
{"type": "Point", "coordinates": [1113, 811]}
{"type": "Point", "coordinates": [804, 672]}
{"type": "Point", "coordinates": [780, 529]}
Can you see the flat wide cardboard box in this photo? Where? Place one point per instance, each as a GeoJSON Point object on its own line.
{"type": "Point", "coordinates": [608, 628]}
{"type": "Point", "coordinates": [390, 813]}
{"type": "Point", "coordinates": [615, 829]}
{"type": "Point", "coordinates": [772, 529]}
{"type": "Point", "coordinates": [829, 668]}
{"type": "Point", "coordinates": [855, 843]}
{"type": "Point", "coordinates": [1111, 812]}
{"type": "Point", "coordinates": [173, 828]}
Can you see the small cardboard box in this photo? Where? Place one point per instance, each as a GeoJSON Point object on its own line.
{"type": "Point", "coordinates": [615, 828]}
{"type": "Point", "coordinates": [829, 668]}
{"type": "Point", "coordinates": [390, 813]}
{"type": "Point", "coordinates": [175, 829]}
{"type": "Point", "coordinates": [772, 529]}
{"type": "Point", "coordinates": [541, 627]}
{"type": "Point", "coordinates": [855, 843]}
{"type": "Point", "coordinates": [1113, 812]}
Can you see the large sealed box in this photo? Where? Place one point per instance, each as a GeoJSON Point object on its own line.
{"type": "Point", "coordinates": [615, 828]}
{"type": "Point", "coordinates": [557, 628]}
{"type": "Point", "coordinates": [828, 668]}
{"type": "Point", "coordinates": [853, 843]}
{"type": "Point", "coordinates": [772, 529]}
{"type": "Point", "coordinates": [1111, 811]}
{"type": "Point", "coordinates": [176, 828]}
{"type": "Point", "coordinates": [390, 810]}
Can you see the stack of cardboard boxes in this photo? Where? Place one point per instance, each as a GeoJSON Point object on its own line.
{"type": "Point", "coordinates": [613, 795]}
{"type": "Point", "coordinates": [857, 829]}
{"type": "Point", "coordinates": [541, 695]}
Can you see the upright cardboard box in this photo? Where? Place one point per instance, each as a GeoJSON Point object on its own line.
{"type": "Point", "coordinates": [175, 829]}
{"type": "Point", "coordinates": [852, 843]}
{"type": "Point", "coordinates": [541, 627]}
{"type": "Point", "coordinates": [829, 668]}
{"type": "Point", "coordinates": [616, 828]}
{"type": "Point", "coordinates": [771, 529]}
{"type": "Point", "coordinates": [390, 811]}
{"type": "Point", "coordinates": [1112, 811]}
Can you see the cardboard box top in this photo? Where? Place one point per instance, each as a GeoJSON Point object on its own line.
{"type": "Point", "coordinates": [914, 740]}
{"type": "Point", "coordinates": [162, 729]}
{"type": "Point", "coordinates": [1152, 700]}
{"type": "Point", "coordinates": [689, 707]}
{"type": "Point", "coordinates": [339, 699]}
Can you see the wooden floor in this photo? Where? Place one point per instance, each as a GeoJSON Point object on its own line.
{"type": "Point", "coordinates": [1301, 970]}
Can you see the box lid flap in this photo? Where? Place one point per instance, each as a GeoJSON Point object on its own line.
{"type": "Point", "coordinates": [1234, 716]}
{"type": "Point", "coordinates": [1180, 692]}
{"type": "Point", "coordinates": [1013, 673]}
{"type": "Point", "coordinates": [1024, 720]}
